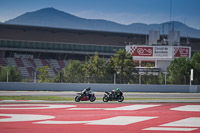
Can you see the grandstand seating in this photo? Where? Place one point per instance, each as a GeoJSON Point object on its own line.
{"type": "Point", "coordinates": [19, 62]}
{"type": "Point", "coordinates": [45, 62]}
{"type": "Point", "coordinates": [54, 63]}
{"type": "Point", "coordinates": [28, 66]}
{"type": "Point", "coordinates": [11, 62]}
{"type": "Point", "coordinates": [61, 63]}
{"type": "Point", "coordinates": [38, 63]}
{"type": "Point", "coordinates": [2, 62]}
{"type": "Point", "coordinates": [30, 71]}
{"type": "Point", "coordinates": [24, 71]}
{"type": "Point", "coordinates": [32, 62]}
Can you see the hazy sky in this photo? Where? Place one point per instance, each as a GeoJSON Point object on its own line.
{"type": "Point", "coordinates": [120, 11]}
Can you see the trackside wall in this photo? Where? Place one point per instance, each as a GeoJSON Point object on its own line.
{"type": "Point", "coordinates": [18, 86]}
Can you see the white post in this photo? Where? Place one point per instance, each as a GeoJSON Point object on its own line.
{"type": "Point", "coordinates": [114, 78]}
{"type": "Point", "coordinates": [35, 77]}
{"type": "Point", "coordinates": [88, 79]}
{"type": "Point", "coordinates": [140, 78]}
{"type": "Point", "coordinates": [191, 76]}
{"type": "Point", "coordinates": [7, 74]}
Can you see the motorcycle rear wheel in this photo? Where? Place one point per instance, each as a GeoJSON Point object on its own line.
{"type": "Point", "coordinates": [105, 99]}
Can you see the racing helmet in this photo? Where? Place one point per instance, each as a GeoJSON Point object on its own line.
{"type": "Point", "coordinates": [88, 89]}
{"type": "Point", "coordinates": [117, 89]}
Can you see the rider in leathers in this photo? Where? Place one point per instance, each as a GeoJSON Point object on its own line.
{"type": "Point", "coordinates": [116, 92]}
{"type": "Point", "coordinates": [87, 92]}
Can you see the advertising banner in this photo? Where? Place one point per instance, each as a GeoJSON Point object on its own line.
{"type": "Point", "coordinates": [142, 51]}
{"type": "Point", "coordinates": [158, 52]}
{"type": "Point", "coordinates": [181, 52]}
{"type": "Point", "coordinates": [161, 51]}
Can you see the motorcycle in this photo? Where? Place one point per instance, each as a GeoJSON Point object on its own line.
{"type": "Point", "coordinates": [113, 97]}
{"type": "Point", "coordinates": [83, 97]}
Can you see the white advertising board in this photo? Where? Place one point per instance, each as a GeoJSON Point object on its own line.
{"type": "Point", "coordinates": [141, 52]}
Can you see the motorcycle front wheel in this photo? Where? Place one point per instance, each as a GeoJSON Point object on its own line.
{"type": "Point", "coordinates": [120, 99]}
{"type": "Point", "coordinates": [77, 98]}
{"type": "Point", "coordinates": [105, 99]}
{"type": "Point", "coordinates": [92, 98]}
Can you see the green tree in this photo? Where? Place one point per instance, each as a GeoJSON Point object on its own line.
{"type": "Point", "coordinates": [59, 77]}
{"type": "Point", "coordinates": [122, 64]}
{"type": "Point", "coordinates": [195, 62]}
{"type": "Point", "coordinates": [44, 74]}
{"type": "Point", "coordinates": [179, 71]}
{"type": "Point", "coordinates": [73, 73]}
{"type": "Point", "coordinates": [148, 77]}
{"type": "Point", "coordinates": [161, 78]}
{"type": "Point", "coordinates": [94, 68]}
{"type": "Point", "coordinates": [13, 74]}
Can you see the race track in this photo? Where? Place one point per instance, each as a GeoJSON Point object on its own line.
{"type": "Point", "coordinates": [99, 94]}
{"type": "Point", "coordinates": [100, 118]}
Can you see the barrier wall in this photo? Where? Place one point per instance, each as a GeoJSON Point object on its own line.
{"type": "Point", "coordinates": [19, 86]}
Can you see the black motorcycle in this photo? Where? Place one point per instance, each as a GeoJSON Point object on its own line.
{"type": "Point", "coordinates": [113, 97]}
{"type": "Point", "coordinates": [83, 97]}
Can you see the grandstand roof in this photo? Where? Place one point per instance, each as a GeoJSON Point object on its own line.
{"type": "Point", "coordinates": [76, 36]}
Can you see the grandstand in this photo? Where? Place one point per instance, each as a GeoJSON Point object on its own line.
{"type": "Point", "coordinates": [30, 47]}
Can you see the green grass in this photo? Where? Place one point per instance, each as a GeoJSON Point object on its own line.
{"type": "Point", "coordinates": [47, 98]}
{"type": "Point", "coordinates": [58, 98]}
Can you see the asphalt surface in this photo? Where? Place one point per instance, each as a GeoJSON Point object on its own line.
{"type": "Point", "coordinates": [100, 118]}
{"type": "Point", "coordinates": [152, 97]}
{"type": "Point", "coordinates": [99, 94]}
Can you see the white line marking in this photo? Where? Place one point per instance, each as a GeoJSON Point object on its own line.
{"type": "Point", "coordinates": [170, 129]}
{"type": "Point", "coordinates": [45, 106]}
{"type": "Point", "coordinates": [86, 109]}
{"type": "Point", "coordinates": [8, 100]}
{"type": "Point", "coordinates": [119, 120]}
{"type": "Point", "coordinates": [129, 107]}
{"type": "Point", "coordinates": [61, 122]}
{"type": "Point", "coordinates": [132, 107]}
{"type": "Point", "coordinates": [188, 122]}
{"type": "Point", "coordinates": [187, 108]}
{"type": "Point", "coordinates": [24, 117]}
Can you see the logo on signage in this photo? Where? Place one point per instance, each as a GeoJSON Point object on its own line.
{"type": "Point", "coordinates": [181, 52]}
{"type": "Point", "coordinates": [142, 51]}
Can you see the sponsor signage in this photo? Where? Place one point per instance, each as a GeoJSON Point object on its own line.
{"type": "Point", "coordinates": [142, 51]}
{"type": "Point", "coordinates": [181, 52]}
{"type": "Point", "coordinates": [16, 55]}
{"type": "Point", "coordinates": [158, 51]}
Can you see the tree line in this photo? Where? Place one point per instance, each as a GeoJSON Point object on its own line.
{"type": "Point", "coordinates": [119, 69]}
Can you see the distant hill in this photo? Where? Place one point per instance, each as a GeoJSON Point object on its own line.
{"type": "Point", "coordinates": [52, 17]}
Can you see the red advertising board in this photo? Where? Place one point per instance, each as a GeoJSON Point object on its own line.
{"type": "Point", "coordinates": [181, 52]}
{"type": "Point", "coordinates": [142, 51]}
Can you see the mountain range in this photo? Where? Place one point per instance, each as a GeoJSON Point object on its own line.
{"type": "Point", "coordinates": [52, 17]}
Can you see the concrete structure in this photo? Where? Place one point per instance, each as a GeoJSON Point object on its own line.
{"type": "Point", "coordinates": [158, 54]}
{"type": "Point", "coordinates": [29, 47]}
{"type": "Point", "coordinates": [14, 86]}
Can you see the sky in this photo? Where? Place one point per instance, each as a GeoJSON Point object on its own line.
{"type": "Point", "coordinates": [120, 11]}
